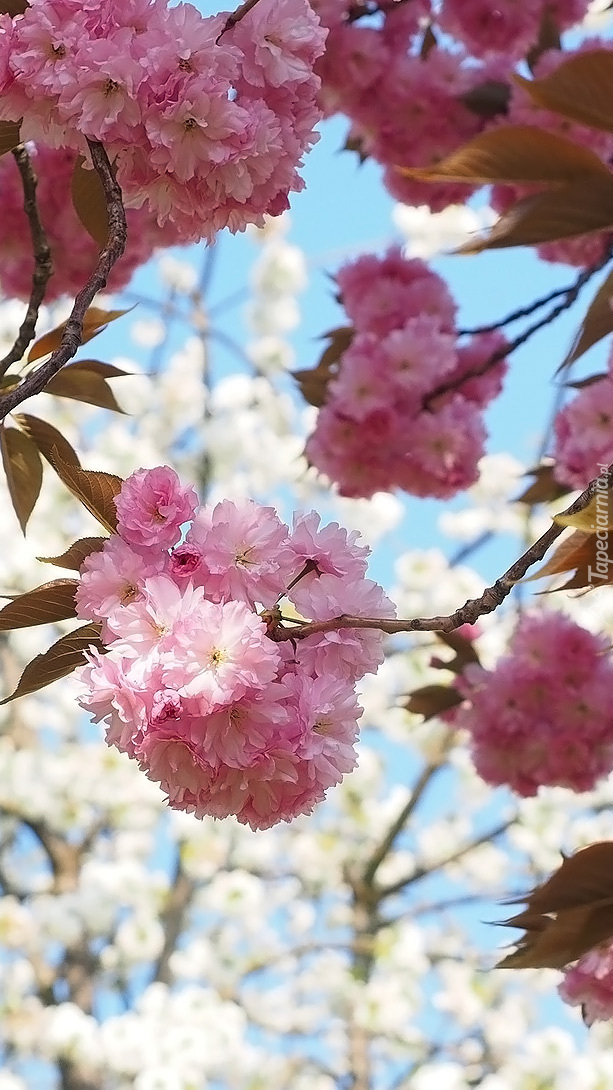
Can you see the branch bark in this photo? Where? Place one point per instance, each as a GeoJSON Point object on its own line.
{"type": "Point", "coordinates": [43, 265]}
{"type": "Point", "coordinates": [472, 609]}
{"type": "Point", "coordinates": [71, 338]}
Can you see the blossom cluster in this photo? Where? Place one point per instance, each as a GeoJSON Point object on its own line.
{"type": "Point", "coordinates": [589, 984]}
{"type": "Point", "coordinates": [377, 430]}
{"type": "Point", "coordinates": [583, 432]}
{"type": "Point", "coordinates": [193, 685]}
{"type": "Point", "coordinates": [206, 122]}
{"type": "Point", "coordinates": [411, 100]}
{"type": "Point", "coordinates": [73, 251]}
{"type": "Point", "coordinates": [543, 715]}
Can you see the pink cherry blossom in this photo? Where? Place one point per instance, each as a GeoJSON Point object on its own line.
{"type": "Point", "coordinates": [152, 506]}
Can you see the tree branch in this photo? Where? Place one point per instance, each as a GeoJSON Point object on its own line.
{"type": "Point", "coordinates": [71, 337]}
{"type": "Point", "coordinates": [569, 296]}
{"type": "Point", "coordinates": [43, 265]}
{"type": "Point", "coordinates": [472, 609]}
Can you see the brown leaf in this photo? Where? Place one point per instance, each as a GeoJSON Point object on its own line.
{"type": "Point", "coordinates": [580, 88]}
{"type": "Point", "coordinates": [89, 202]}
{"type": "Point", "coordinates": [81, 383]}
{"type": "Point", "coordinates": [579, 208]}
{"type": "Point", "coordinates": [314, 381]}
{"type": "Point", "coordinates": [47, 438]}
{"type": "Point", "coordinates": [488, 99]}
{"type": "Point", "coordinates": [51, 602]}
{"type": "Point", "coordinates": [569, 914]}
{"type": "Point", "coordinates": [576, 553]}
{"type": "Point", "coordinates": [62, 658]}
{"type": "Point", "coordinates": [94, 321]}
{"type": "Point", "coordinates": [598, 322]}
{"type": "Point", "coordinates": [544, 489]}
{"type": "Point", "coordinates": [13, 7]}
{"type": "Point", "coordinates": [107, 370]}
{"type": "Point", "coordinates": [590, 380]}
{"type": "Point", "coordinates": [95, 490]}
{"type": "Point", "coordinates": [432, 700]}
{"type": "Point", "coordinates": [10, 135]}
{"type": "Point", "coordinates": [428, 43]}
{"type": "Point", "coordinates": [465, 652]}
{"type": "Point", "coordinates": [74, 556]}
{"type": "Point", "coordinates": [519, 154]}
{"type": "Point", "coordinates": [24, 472]}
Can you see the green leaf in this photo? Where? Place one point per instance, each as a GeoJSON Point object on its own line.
{"type": "Point", "coordinates": [51, 602]}
{"type": "Point", "coordinates": [61, 659]}
{"type": "Point", "coordinates": [432, 700]}
{"type": "Point", "coordinates": [74, 556]}
{"type": "Point", "coordinates": [24, 472]}
{"type": "Point", "coordinates": [95, 490]}
{"type": "Point", "coordinates": [89, 202]}
{"type": "Point", "coordinates": [81, 383]}
{"type": "Point", "coordinates": [47, 438]}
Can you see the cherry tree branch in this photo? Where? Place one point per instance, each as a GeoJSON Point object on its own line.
{"type": "Point", "coordinates": [472, 609]}
{"type": "Point", "coordinates": [71, 337]}
{"type": "Point", "coordinates": [236, 16]}
{"type": "Point", "coordinates": [569, 296]}
{"type": "Point", "coordinates": [43, 265]}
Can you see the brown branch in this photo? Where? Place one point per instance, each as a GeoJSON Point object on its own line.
{"type": "Point", "coordinates": [454, 857]}
{"type": "Point", "coordinates": [387, 842]}
{"type": "Point", "coordinates": [236, 16]}
{"type": "Point", "coordinates": [570, 296]}
{"type": "Point", "coordinates": [43, 265]}
{"type": "Point", "coordinates": [472, 609]}
{"type": "Point", "coordinates": [71, 337]}
{"type": "Point", "coordinates": [173, 915]}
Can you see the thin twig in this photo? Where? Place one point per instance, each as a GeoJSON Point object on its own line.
{"type": "Point", "coordinates": [71, 337]}
{"type": "Point", "coordinates": [43, 265]}
{"type": "Point", "coordinates": [570, 296]}
{"type": "Point", "coordinates": [472, 609]}
{"type": "Point", "coordinates": [453, 857]}
{"type": "Point", "coordinates": [236, 16]}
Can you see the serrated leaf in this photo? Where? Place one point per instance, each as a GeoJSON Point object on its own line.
{"type": "Point", "coordinates": [579, 208]}
{"type": "Point", "coordinates": [598, 515]}
{"type": "Point", "coordinates": [10, 135]}
{"type": "Point", "coordinates": [598, 322]}
{"type": "Point", "coordinates": [61, 659]}
{"type": "Point", "coordinates": [544, 489]}
{"type": "Point", "coordinates": [580, 88]}
{"type": "Point", "coordinates": [80, 383]}
{"type": "Point", "coordinates": [47, 438]}
{"type": "Point", "coordinates": [514, 154]}
{"type": "Point", "coordinates": [75, 555]}
{"type": "Point", "coordinates": [54, 601]}
{"type": "Point", "coordinates": [568, 915]}
{"type": "Point", "coordinates": [96, 490]}
{"type": "Point", "coordinates": [24, 472]}
{"type": "Point", "coordinates": [94, 321]}
{"type": "Point", "coordinates": [432, 700]}
{"type": "Point", "coordinates": [89, 202]}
